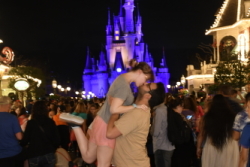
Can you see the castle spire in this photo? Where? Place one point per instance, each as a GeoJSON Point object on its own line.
{"type": "Point", "coordinates": [121, 10]}
{"type": "Point", "coordinates": [163, 60]}
{"type": "Point", "coordinates": [138, 14]}
{"type": "Point", "coordinates": [89, 64]}
{"type": "Point", "coordinates": [109, 26]}
{"type": "Point", "coordinates": [129, 23]}
{"type": "Point", "coordinates": [147, 56]}
{"type": "Point", "coordinates": [138, 26]}
{"type": "Point", "coordinates": [102, 66]}
{"type": "Point", "coordinates": [109, 22]}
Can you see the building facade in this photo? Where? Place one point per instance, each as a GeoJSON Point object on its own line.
{"type": "Point", "coordinates": [124, 41]}
{"type": "Point", "coordinates": [231, 37]}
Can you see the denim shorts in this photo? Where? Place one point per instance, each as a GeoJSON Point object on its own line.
{"type": "Point", "coordinates": [47, 160]}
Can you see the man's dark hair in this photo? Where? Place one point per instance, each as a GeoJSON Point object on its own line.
{"type": "Point", "coordinates": [247, 97]}
{"type": "Point", "coordinates": [39, 109]}
{"type": "Point", "coordinates": [225, 89]}
{"type": "Point", "coordinates": [158, 95]}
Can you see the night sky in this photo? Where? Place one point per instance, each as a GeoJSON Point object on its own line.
{"type": "Point", "coordinates": [54, 34]}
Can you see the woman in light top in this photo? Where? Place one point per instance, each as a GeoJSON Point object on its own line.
{"type": "Point", "coordinates": [119, 100]}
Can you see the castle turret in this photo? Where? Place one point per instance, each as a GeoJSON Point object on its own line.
{"type": "Point", "coordinates": [129, 28]}
{"type": "Point", "coordinates": [138, 26]}
{"type": "Point", "coordinates": [121, 16]}
{"type": "Point", "coordinates": [109, 37]}
{"type": "Point", "coordinates": [129, 23]}
{"type": "Point", "coordinates": [116, 28]}
{"type": "Point", "coordinates": [102, 76]}
{"type": "Point", "coordinates": [109, 26]}
{"type": "Point", "coordinates": [88, 72]}
{"type": "Point", "coordinates": [163, 74]}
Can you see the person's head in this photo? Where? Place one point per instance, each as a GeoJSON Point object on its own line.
{"type": "Point", "coordinates": [247, 99]}
{"type": "Point", "coordinates": [68, 108]}
{"type": "Point", "coordinates": [225, 90]}
{"type": "Point", "coordinates": [51, 113]}
{"type": "Point", "coordinates": [190, 104]}
{"type": "Point", "coordinates": [176, 104]}
{"type": "Point", "coordinates": [81, 107]}
{"type": "Point", "coordinates": [20, 111]}
{"type": "Point", "coordinates": [168, 97]}
{"type": "Point", "coordinates": [143, 71]}
{"type": "Point", "coordinates": [5, 103]}
{"type": "Point", "coordinates": [234, 93]}
{"type": "Point", "coordinates": [151, 93]}
{"type": "Point", "coordinates": [218, 121]}
{"type": "Point", "coordinates": [52, 106]}
{"type": "Point", "coordinates": [39, 109]}
{"type": "Point", "coordinates": [61, 108]}
{"type": "Point", "coordinates": [93, 108]}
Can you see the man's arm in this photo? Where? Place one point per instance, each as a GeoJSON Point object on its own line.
{"type": "Point", "coordinates": [236, 135]}
{"type": "Point", "coordinates": [19, 135]}
{"type": "Point", "coordinates": [243, 157]}
{"type": "Point", "coordinates": [157, 123]}
{"type": "Point", "coordinates": [112, 131]}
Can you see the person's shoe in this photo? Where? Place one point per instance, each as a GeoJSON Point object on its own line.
{"type": "Point", "coordinates": [72, 119]}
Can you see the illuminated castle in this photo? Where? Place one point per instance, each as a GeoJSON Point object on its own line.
{"type": "Point", "coordinates": [124, 41]}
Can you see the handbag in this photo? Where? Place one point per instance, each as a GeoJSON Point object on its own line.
{"type": "Point", "coordinates": [58, 150]}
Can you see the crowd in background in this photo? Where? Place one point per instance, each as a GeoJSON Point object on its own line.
{"type": "Point", "coordinates": [219, 134]}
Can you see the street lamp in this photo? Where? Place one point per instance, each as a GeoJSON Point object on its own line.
{"type": "Point", "coordinates": [178, 83]}
{"type": "Point", "coordinates": [59, 87]}
{"type": "Point", "coordinates": [183, 81]}
{"type": "Point", "coordinates": [54, 85]}
{"type": "Point", "coordinates": [21, 86]}
{"type": "Point", "coordinates": [67, 89]}
{"type": "Point", "coordinates": [1, 76]}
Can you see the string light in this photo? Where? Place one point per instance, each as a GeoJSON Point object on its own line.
{"type": "Point", "coordinates": [219, 15]}
{"type": "Point", "coordinates": [227, 27]}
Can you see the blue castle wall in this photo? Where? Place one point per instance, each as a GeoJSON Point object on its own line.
{"type": "Point", "coordinates": [124, 41]}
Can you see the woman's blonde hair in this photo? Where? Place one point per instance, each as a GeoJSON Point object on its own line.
{"type": "Point", "coordinates": [81, 108]}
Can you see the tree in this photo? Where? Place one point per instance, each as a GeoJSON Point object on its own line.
{"type": "Point", "coordinates": [29, 73]}
{"type": "Point", "coordinates": [233, 72]}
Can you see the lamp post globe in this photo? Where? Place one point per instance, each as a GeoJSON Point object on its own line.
{"type": "Point", "coordinates": [59, 87]}
{"type": "Point", "coordinates": [54, 85]}
{"type": "Point", "coordinates": [183, 81]}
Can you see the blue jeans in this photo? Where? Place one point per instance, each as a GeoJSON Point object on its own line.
{"type": "Point", "coordinates": [47, 160]}
{"type": "Point", "coordinates": [163, 158]}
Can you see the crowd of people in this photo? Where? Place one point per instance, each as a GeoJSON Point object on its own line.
{"type": "Point", "coordinates": [153, 128]}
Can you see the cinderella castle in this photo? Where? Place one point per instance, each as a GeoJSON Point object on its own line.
{"type": "Point", "coordinates": [124, 41]}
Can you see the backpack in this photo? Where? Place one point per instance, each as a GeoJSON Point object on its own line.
{"type": "Point", "coordinates": [178, 131]}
